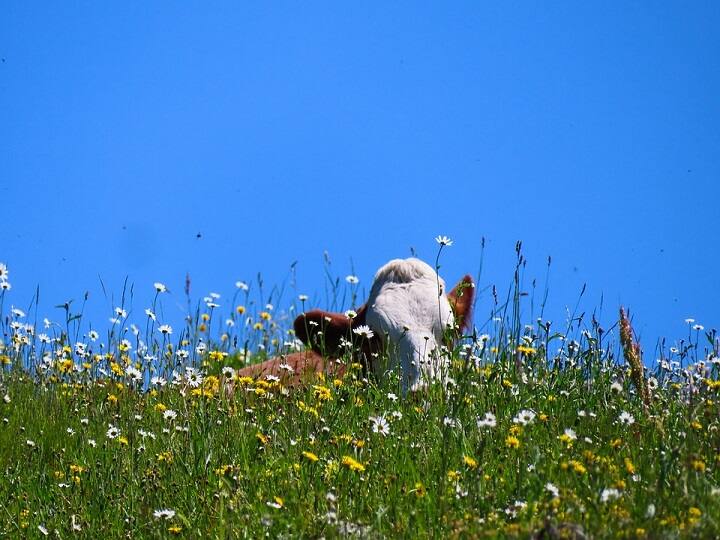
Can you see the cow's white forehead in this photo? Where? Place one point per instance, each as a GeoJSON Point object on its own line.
{"type": "Point", "coordinates": [406, 307]}
{"type": "Point", "coordinates": [405, 271]}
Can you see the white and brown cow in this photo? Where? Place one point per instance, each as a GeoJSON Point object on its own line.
{"type": "Point", "coordinates": [408, 313]}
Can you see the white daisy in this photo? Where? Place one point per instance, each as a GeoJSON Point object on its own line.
{"type": "Point", "coordinates": [380, 425]}
{"type": "Point", "coordinates": [364, 331]}
{"type": "Point", "coordinates": [444, 241]}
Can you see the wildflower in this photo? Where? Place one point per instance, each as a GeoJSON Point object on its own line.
{"type": "Point", "coordinates": [166, 513]}
{"type": "Point", "coordinates": [322, 393]}
{"type": "Point", "coordinates": [353, 464]}
{"type": "Point", "coordinates": [150, 314]}
{"type": "Point", "coordinates": [242, 285]}
{"type": "Point", "coordinates": [364, 331]}
{"type": "Point", "coordinates": [310, 456]}
{"type": "Point", "coordinates": [512, 442]}
{"type": "Point", "coordinates": [626, 418]}
{"type": "Point", "coordinates": [120, 312]}
{"type": "Point", "coordinates": [380, 425]}
{"type": "Point", "coordinates": [351, 313]}
{"type": "Point", "coordinates": [470, 462]}
{"type": "Point", "coordinates": [262, 438]}
{"type": "Point", "coordinates": [616, 387]}
{"type": "Point", "coordinates": [609, 494]}
{"type": "Point", "coordinates": [488, 420]}
{"type": "Point", "coordinates": [303, 297]}
{"type": "Point", "coordinates": [552, 489]}
{"type": "Point", "coordinates": [524, 417]}
{"type": "Point", "coordinates": [352, 280]}
{"type": "Point", "coordinates": [420, 490]}
{"type": "Point", "coordinates": [169, 414]}
{"type": "Point", "coordinates": [568, 437]}
{"type": "Point", "coordinates": [112, 431]}
{"type": "Point", "coordinates": [444, 241]}
{"type": "Point", "coordinates": [159, 287]}
{"type": "Point", "coordinates": [92, 443]}
{"type": "Point", "coordinates": [3, 272]}
{"type": "Point", "coordinates": [194, 377]}
{"type": "Point", "coordinates": [165, 329]}
{"type": "Point", "coordinates": [276, 503]}
{"type": "Point", "coordinates": [43, 530]}
{"type": "Point", "coordinates": [30, 443]}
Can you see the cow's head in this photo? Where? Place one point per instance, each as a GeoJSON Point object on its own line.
{"type": "Point", "coordinates": [410, 315]}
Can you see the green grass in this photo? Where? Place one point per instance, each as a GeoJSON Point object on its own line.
{"type": "Point", "coordinates": [308, 463]}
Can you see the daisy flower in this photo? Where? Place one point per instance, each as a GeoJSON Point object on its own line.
{"type": "Point", "coordinates": [626, 418]}
{"type": "Point", "coordinates": [364, 331]}
{"type": "Point", "coordinates": [444, 240]}
{"type": "Point", "coordinates": [160, 287]}
{"type": "Point", "coordinates": [166, 513]}
{"type": "Point", "coordinates": [380, 425]}
{"type": "Point", "coordinates": [524, 417]}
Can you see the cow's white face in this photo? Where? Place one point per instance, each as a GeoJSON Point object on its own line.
{"type": "Point", "coordinates": [409, 310]}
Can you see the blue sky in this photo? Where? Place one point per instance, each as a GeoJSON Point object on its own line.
{"type": "Point", "coordinates": [151, 140]}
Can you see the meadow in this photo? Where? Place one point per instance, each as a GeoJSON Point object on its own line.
{"type": "Point", "coordinates": [543, 429]}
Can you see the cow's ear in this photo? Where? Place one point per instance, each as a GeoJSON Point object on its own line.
{"type": "Point", "coordinates": [322, 331]}
{"type": "Point", "coordinates": [461, 302]}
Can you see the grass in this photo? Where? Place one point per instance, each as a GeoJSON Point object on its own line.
{"type": "Point", "coordinates": [537, 433]}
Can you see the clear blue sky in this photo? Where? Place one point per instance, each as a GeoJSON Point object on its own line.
{"type": "Point", "coordinates": [590, 131]}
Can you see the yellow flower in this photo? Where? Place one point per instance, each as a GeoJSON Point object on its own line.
{"type": "Point", "coordinates": [615, 443]}
{"type": "Point", "coordinates": [257, 326]}
{"type": "Point", "coordinates": [262, 438]}
{"type": "Point", "coordinates": [265, 316]}
{"type": "Point", "coordinates": [420, 490]}
{"type": "Point", "coordinates": [353, 464]}
{"type": "Point", "coordinates": [112, 398]}
{"type": "Point", "coordinates": [525, 350]}
{"type": "Point", "coordinates": [698, 465]}
{"type": "Point", "coordinates": [310, 456]}
{"type": "Point", "coordinates": [160, 407]}
{"type": "Point", "coordinates": [166, 457]}
{"type": "Point", "coordinates": [216, 355]}
{"type": "Point", "coordinates": [512, 442]}
{"type": "Point", "coordinates": [322, 393]}
{"type": "Point", "coordinates": [240, 309]}
{"type": "Point", "coordinates": [453, 476]}
{"type": "Point", "coordinates": [694, 512]}
{"type": "Point", "coordinates": [123, 440]}
{"type": "Point", "coordinates": [174, 529]}
{"type": "Point", "coordinates": [629, 467]}
{"type": "Point", "coordinates": [470, 462]}
{"type": "Point", "coordinates": [696, 425]}
{"type": "Point", "coordinates": [578, 467]}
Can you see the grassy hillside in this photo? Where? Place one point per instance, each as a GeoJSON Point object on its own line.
{"type": "Point", "coordinates": [535, 431]}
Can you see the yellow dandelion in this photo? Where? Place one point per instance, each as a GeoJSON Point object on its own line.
{"type": "Point", "coordinates": [512, 442]}
{"type": "Point", "coordinates": [310, 456]}
{"type": "Point", "coordinates": [353, 464]}
{"type": "Point", "coordinates": [470, 462]}
{"type": "Point", "coordinates": [262, 438]}
{"type": "Point", "coordinates": [322, 393]}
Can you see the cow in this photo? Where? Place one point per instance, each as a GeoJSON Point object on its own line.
{"type": "Point", "coordinates": [406, 320]}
